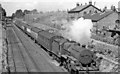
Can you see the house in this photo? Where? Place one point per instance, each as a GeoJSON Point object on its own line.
{"type": "Point", "coordinates": [118, 20]}
{"type": "Point", "coordinates": [107, 19]}
{"type": "Point", "coordinates": [103, 20]}
{"type": "Point", "coordinates": [94, 17]}
{"type": "Point", "coordinates": [81, 10]}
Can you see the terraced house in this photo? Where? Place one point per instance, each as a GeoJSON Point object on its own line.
{"type": "Point", "coordinates": [80, 10]}
{"type": "Point", "coordinates": [107, 18]}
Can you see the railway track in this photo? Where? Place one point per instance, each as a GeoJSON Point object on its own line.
{"type": "Point", "coordinates": [20, 57]}
{"type": "Point", "coordinates": [26, 56]}
{"type": "Point", "coordinates": [14, 57]}
{"type": "Point", "coordinates": [29, 61]}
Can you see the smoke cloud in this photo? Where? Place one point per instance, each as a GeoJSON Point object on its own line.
{"type": "Point", "coordinates": [79, 30]}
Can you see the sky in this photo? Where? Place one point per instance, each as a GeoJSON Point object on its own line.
{"type": "Point", "coordinates": [51, 5]}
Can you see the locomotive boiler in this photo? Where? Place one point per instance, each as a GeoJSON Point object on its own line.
{"type": "Point", "coordinates": [82, 57]}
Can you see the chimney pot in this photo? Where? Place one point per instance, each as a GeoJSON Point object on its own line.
{"type": "Point", "coordinates": [90, 2]}
{"type": "Point", "coordinates": [77, 4]}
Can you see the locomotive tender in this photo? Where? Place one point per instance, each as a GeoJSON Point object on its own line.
{"type": "Point", "coordinates": [68, 53]}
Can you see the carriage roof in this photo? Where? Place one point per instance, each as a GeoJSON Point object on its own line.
{"type": "Point", "coordinates": [35, 29]}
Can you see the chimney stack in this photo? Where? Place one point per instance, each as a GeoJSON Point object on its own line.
{"type": "Point", "coordinates": [94, 3]}
{"type": "Point", "coordinates": [77, 4]}
{"type": "Point", "coordinates": [105, 8]}
{"type": "Point", "coordinates": [113, 8]}
{"type": "Point", "coordinates": [81, 4]}
{"type": "Point", "coordinates": [90, 2]}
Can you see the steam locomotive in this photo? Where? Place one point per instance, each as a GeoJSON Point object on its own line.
{"type": "Point", "coordinates": [69, 54]}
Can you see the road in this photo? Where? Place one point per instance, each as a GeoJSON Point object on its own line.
{"type": "Point", "coordinates": [26, 56]}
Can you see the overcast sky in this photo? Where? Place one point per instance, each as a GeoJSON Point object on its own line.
{"type": "Point", "coordinates": [49, 5]}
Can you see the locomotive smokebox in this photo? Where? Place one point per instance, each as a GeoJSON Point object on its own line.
{"type": "Point", "coordinates": [86, 57]}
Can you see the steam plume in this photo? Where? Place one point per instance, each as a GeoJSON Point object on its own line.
{"type": "Point", "coordinates": [79, 30]}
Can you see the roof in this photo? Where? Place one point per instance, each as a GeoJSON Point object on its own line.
{"type": "Point", "coordinates": [42, 26]}
{"type": "Point", "coordinates": [28, 26]}
{"type": "Point", "coordinates": [22, 23]}
{"type": "Point", "coordinates": [97, 16]}
{"type": "Point", "coordinates": [118, 10]}
{"type": "Point", "coordinates": [81, 8]}
{"type": "Point", "coordinates": [35, 29]}
{"type": "Point", "coordinates": [50, 30]}
{"type": "Point", "coordinates": [105, 14]}
{"type": "Point", "coordinates": [46, 34]}
{"type": "Point", "coordinates": [60, 40]}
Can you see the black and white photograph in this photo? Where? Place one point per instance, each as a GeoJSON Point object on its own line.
{"type": "Point", "coordinates": [59, 36]}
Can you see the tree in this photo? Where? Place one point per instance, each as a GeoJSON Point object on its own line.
{"type": "Point", "coordinates": [26, 11]}
{"type": "Point", "coordinates": [34, 11]}
{"type": "Point", "coordinates": [19, 13]}
{"type": "Point", "coordinates": [113, 8]}
{"type": "Point", "coordinates": [13, 15]}
{"type": "Point", "coordinates": [2, 10]}
{"type": "Point", "coordinates": [41, 12]}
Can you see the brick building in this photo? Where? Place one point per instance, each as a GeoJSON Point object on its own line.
{"type": "Point", "coordinates": [107, 18]}
{"type": "Point", "coordinates": [81, 10]}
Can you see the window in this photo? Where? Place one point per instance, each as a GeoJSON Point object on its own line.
{"type": "Point", "coordinates": [85, 12]}
{"type": "Point", "coordinates": [90, 11]}
{"type": "Point", "coordinates": [95, 11]}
